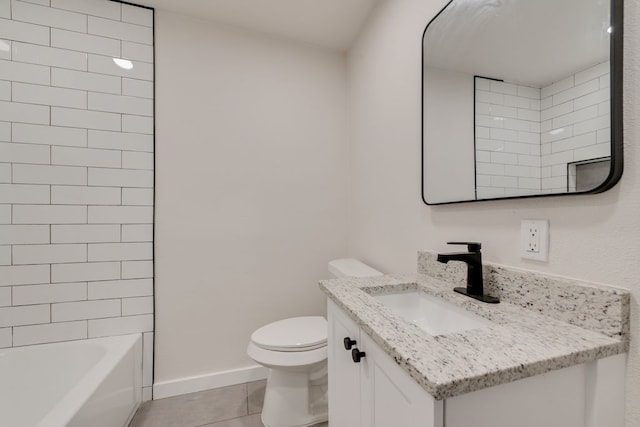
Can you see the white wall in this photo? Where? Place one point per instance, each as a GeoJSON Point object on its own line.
{"type": "Point", "coordinates": [251, 194]}
{"type": "Point", "coordinates": [592, 237]}
{"type": "Point", "coordinates": [448, 133]}
{"type": "Point", "coordinates": [76, 175]}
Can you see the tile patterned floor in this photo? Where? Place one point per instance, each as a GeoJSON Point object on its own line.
{"type": "Point", "coordinates": [233, 406]}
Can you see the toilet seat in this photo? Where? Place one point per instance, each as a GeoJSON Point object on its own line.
{"type": "Point", "coordinates": [297, 360]}
{"type": "Point", "coordinates": [296, 334]}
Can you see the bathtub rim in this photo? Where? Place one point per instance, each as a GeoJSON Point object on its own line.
{"type": "Point", "coordinates": [117, 347]}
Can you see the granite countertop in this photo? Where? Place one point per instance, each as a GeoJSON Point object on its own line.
{"type": "Point", "coordinates": [523, 340]}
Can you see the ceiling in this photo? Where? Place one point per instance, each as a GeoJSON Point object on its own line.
{"type": "Point", "coordinates": [332, 24]}
{"type": "Point", "coordinates": [520, 41]}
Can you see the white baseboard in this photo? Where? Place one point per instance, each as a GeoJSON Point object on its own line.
{"type": "Point", "coordinates": [208, 381]}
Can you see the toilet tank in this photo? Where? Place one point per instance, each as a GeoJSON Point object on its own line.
{"type": "Point", "coordinates": [350, 267]}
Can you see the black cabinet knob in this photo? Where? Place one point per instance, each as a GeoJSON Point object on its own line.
{"type": "Point", "coordinates": [348, 343]}
{"type": "Point", "coordinates": [357, 355]}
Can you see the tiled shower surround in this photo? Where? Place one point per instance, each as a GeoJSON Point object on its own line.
{"type": "Point", "coordinates": [76, 172]}
{"type": "Point", "coordinates": [525, 136]}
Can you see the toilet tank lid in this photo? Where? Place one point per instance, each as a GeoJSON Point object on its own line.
{"type": "Point", "coordinates": [350, 267]}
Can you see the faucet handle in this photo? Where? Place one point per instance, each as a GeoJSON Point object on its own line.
{"type": "Point", "coordinates": [471, 246]}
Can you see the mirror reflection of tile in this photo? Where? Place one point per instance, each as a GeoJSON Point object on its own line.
{"type": "Point", "coordinates": [526, 137]}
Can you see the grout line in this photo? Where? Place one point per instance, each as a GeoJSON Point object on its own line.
{"type": "Point", "coordinates": [246, 392]}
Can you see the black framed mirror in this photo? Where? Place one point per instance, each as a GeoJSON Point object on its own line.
{"type": "Point", "coordinates": [521, 98]}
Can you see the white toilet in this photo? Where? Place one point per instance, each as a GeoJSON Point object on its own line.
{"type": "Point", "coordinates": [295, 351]}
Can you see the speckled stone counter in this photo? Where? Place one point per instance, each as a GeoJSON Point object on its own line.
{"type": "Point", "coordinates": [533, 331]}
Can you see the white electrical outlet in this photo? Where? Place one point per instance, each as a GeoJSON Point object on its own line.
{"type": "Point", "coordinates": [534, 239]}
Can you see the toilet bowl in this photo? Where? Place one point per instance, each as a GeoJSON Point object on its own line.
{"type": "Point", "coordinates": [295, 351]}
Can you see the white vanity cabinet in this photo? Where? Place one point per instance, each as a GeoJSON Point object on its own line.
{"type": "Point", "coordinates": [345, 388]}
{"type": "Point", "coordinates": [377, 392]}
{"type": "Point", "coordinates": [374, 392]}
{"type": "Point", "coordinates": [390, 397]}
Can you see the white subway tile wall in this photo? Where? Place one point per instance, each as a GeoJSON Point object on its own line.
{"type": "Point", "coordinates": [526, 136]}
{"type": "Point", "coordinates": [76, 172]}
{"type": "Point", "coordinates": [582, 131]}
{"type": "Point", "coordinates": [5, 297]}
{"type": "Point", "coordinates": [507, 139]}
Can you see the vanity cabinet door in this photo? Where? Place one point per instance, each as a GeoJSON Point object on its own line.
{"type": "Point", "coordinates": [390, 397]}
{"type": "Point", "coordinates": [344, 373]}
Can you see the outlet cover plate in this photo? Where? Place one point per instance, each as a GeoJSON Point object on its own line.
{"type": "Point", "coordinates": [534, 239]}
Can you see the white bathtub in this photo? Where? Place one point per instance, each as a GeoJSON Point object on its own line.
{"type": "Point", "coordinates": [90, 383]}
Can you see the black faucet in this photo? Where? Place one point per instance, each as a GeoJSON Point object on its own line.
{"type": "Point", "coordinates": [473, 259]}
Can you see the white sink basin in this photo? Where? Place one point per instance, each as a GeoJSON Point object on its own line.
{"type": "Point", "coordinates": [433, 315]}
